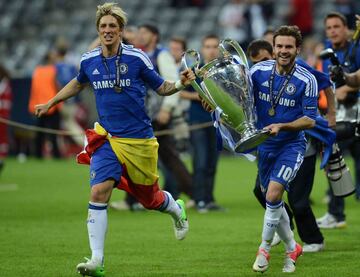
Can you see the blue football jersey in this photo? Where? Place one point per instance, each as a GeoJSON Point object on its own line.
{"type": "Point", "coordinates": [298, 99]}
{"type": "Point", "coordinates": [121, 113]}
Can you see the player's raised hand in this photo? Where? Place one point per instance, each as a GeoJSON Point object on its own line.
{"type": "Point", "coordinates": [187, 76]}
{"type": "Point", "coordinates": [41, 109]}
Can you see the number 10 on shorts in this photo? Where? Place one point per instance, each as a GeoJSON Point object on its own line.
{"type": "Point", "coordinates": [285, 173]}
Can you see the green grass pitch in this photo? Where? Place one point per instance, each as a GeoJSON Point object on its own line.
{"type": "Point", "coordinates": [43, 209]}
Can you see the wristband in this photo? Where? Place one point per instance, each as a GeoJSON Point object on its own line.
{"type": "Point", "coordinates": [179, 85]}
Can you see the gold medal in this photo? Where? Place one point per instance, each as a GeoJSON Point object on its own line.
{"type": "Point", "coordinates": [117, 88]}
{"type": "Point", "coordinates": [271, 111]}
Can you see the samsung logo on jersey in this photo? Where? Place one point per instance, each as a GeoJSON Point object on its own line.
{"type": "Point", "coordinates": [110, 83]}
{"type": "Point", "coordinates": [282, 101]}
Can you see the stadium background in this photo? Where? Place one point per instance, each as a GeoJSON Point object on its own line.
{"type": "Point", "coordinates": [29, 29]}
{"type": "Point", "coordinates": [43, 203]}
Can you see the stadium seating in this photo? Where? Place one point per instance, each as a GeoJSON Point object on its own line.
{"type": "Point", "coordinates": [30, 28]}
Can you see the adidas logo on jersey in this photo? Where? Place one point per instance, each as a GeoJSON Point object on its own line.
{"type": "Point", "coordinates": [265, 84]}
{"type": "Point", "coordinates": [95, 72]}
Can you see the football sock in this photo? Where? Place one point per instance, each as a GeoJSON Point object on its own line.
{"type": "Point", "coordinates": [285, 233]}
{"type": "Point", "coordinates": [170, 206]}
{"type": "Point", "coordinates": [271, 220]}
{"type": "Point", "coordinates": [97, 226]}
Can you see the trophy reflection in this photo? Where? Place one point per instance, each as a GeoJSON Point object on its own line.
{"type": "Point", "coordinates": [225, 84]}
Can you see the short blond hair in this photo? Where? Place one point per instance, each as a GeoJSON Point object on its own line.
{"type": "Point", "coordinates": [111, 9]}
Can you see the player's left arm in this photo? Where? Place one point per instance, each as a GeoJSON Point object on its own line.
{"type": "Point", "coordinates": [169, 87]}
{"type": "Point", "coordinates": [301, 123]}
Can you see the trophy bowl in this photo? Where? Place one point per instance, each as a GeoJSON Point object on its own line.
{"type": "Point", "coordinates": [225, 84]}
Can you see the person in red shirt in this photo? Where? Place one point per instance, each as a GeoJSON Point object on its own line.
{"type": "Point", "coordinates": [300, 14]}
{"type": "Point", "coordinates": [5, 107]}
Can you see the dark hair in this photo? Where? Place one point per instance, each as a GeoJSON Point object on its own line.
{"type": "Point", "coordinates": [4, 73]}
{"type": "Point", "coordinates": [209, 36]}
{"type": "Point", "coordinates": [259, 44]}
{"type": "Point", "coordinates": [61, 50]}
{"type": "Point", "coordinates": [269, 30]}
{"type": "Point", "coordinates": [151, 28]}
{"type": "Point", "coordinates": [336, 15]}
{"type": "Point", "coordinates": [181, 41]}
{"type": "Point", "coordinates": [291, 31]}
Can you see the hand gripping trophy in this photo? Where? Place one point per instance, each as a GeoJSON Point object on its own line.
{"type": "Point", "coordinates": [225, 84]}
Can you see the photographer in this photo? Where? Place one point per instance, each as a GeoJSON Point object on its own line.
{"type": "Point", "coordinates": [345, 57]}
{"type": "Point", "coordinates": [351, 79]}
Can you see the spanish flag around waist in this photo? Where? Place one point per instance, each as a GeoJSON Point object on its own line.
{"type": "Point", "coordinates": [138, 156]}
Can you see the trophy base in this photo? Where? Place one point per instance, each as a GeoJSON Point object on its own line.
{"type": "Point", "coordinates": [249, 142]}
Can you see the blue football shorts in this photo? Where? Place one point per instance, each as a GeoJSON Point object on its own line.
{"type": "Point", "coordinates": [104, 165]}
{"type": "Point", "coordinates": [280, 165]}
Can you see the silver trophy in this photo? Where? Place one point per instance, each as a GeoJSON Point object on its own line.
{"type": "Point", "coordinates": [225, 84]}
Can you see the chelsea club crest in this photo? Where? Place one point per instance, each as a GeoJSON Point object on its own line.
{"type": "Point", "coordinates": [123, 68]}
{"type": "Point", "coordinates": [290, 89]}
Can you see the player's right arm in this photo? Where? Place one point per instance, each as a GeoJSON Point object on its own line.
{"type": "Point", "coordinates": [70, 90]}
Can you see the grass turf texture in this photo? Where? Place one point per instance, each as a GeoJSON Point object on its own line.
{"type": "Point", "coordinates": [43, 229]}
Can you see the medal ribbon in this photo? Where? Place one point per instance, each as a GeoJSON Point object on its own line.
{"type": "Point", "coordinates": [117, 65]}
{"type": "Point", "coordinates": [274, 102]}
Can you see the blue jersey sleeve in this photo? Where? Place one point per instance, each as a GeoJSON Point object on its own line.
{"type": "Point", "coordinates": [82, 77]}
{"type": "Point", "coordinates": [150, 76]}
{"type": "Point", "coordinates": [323, 79]}
{"type": "Point", "coordinates": [310, 98]}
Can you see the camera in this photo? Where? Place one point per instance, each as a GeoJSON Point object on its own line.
{"type": "Point", "coordinates": [346, 129]}
{"type": "Point", "coordinates": [336, 70]}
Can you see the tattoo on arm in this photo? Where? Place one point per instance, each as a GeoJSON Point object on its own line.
{"type": "Point", "coordinates": [167, 88]}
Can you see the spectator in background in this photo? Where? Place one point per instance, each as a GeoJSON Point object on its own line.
{"type": "Point", "coordinates": [44, 87]}
{"type": "Point", "coordinates": [269, 34]}
{"type": "Point", "coordinates": [203, 141]}
{"type": "Point", "coordinates": [65, 72]}
{"type": "Point", "coordinates": [177, 46]}
{"type": "Point", "coordinates": [188, 3]}
{"type": "Point", "coordinates": [233, 21]}
{"type": "Point", "coordinates": [161, 111]}
{"type": "Point", "coordinates": [131, 35]}
{"type": "Point", "coordinates": [348, 9]}
{"type": "Point", "coordinates": [255, 16]}
{"type": "Point", "coordinates": [5, 109]}
{"type": "Point", "coordinates": [268, 9]}
{"type": "Point", "coordinates": [301, 14]}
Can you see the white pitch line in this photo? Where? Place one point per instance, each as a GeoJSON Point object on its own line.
{"type": "Point", "coordinates": [8, 187]}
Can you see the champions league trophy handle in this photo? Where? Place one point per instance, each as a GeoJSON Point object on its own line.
{"type": "Point", "coordinates": [224, 50]}
{"type": "Point", "coordinates": [191, 60]}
